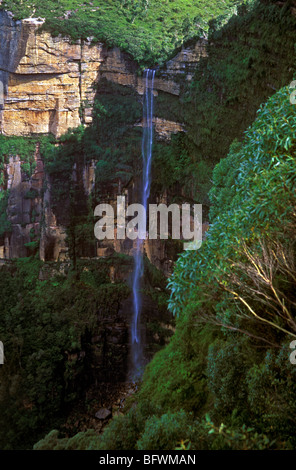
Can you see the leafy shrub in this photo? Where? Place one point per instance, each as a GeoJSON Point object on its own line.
{"type": "Point", "coordinates": [263, 199]}
{"type": "Point", "coordinates": [123, 432]}
{"type": "Point", "coordinates": [164, 432]}
{"type": "Point", "coordinates": [227, 367]}
{"type": "Point", "coordinates": [271, 393]}
{"type": "Point", "coordinates": [81, 441]}
{"type": "Point", "coordinates": [243, 438]}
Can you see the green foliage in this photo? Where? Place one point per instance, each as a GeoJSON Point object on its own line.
{"type": "Point", "coordinates": [175, 378]}
{"type": "Point", "coordinates": [253, 196]}
{"type": "Point", "coordinates": [262, 199]}
{"type": "Point", "coordinates": [155, 417]}
{"type": "Point", "coordinates": [149, 30]}
{"type": "Point", "coordinates": [62, 157]}
{"type": "Point", "coordinates": [123, 432]}
{"type": "Point", "coordinates": [153, 275]}
{"type": "Point", "coordinates": [271, 392]}
{"type": "Point", "coordinates": [255, 388]}
{"type": "Point", "coordinates": [243, 438]}
{"type": "Point", "coordinates": [24, 147]}
{"type": "Point", "coordinates": [224, 182]}
{"type": "Point", "coordinates": [81, 441]}
{"type": "Point", "coordinates": [32, 247]}
{"type": "Point", "coordinates": [45, 325]}
{"type": "Point", "coordinates": [248, 59]}
{"type": "Point", "coordinates": [171, 167]}
{"type": "Point", "coordinates": [115, 113]}
{"type": "Point", "coordinates": [245, 384]}
{"type": "Point", "coordinates": [64, 163]}
{"type": "Point", "coordinates": [5, 225]}
{"type": "Point", "coordinates": [31, 194]}
{"type": "Point", "coordinates": [226, 372]}
{"type": "Point", "coordinates": [116, 109]}
{"type": "Point", "coordinates": [165, 431]}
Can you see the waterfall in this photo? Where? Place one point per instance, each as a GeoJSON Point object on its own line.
{"type": "Point", "coordinates": [147, 141]}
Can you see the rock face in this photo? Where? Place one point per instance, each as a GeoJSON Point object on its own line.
{"type": "Point", "coordinates": [13, 44]}
{"type": "Point", "coordinates": [25, 206]}
{"type": "Point", "coordinates": [165, 128]}
{"type": "Point", "coordinates": [49, 86]}
{"type": "Point", "coordinates": [118, 68]}
{"type": "Point", "coordinates": [49, 82]}
{"type": "Point", "coordinates": [103, 413]}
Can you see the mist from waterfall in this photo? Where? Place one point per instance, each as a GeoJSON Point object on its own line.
{"type": "Point", "coordinates": [147, 142]}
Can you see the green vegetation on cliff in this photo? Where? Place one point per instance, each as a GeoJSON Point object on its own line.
{"type": "Point", "coordinates": [10, 148]}
{"type": "Point", "coordinates": [53, 338]}
{"type": "Point", "coordinates": [225, 379]}
{"type": "Point", "coordinates": [116, 109]}
{"type": "Point", "coordinates": [150, 30]}
{"type": "Point", "coordinates": [249, 58]}
{"type": "Point", "coordinates": [219, 382]}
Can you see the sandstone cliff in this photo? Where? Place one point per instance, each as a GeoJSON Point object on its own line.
{"type": "Point", "coordinates": [50, 83]}
{"type": "Point", "coordinates": [49, 86]}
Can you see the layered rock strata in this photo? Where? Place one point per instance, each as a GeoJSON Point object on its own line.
{"type": "Point", "coordinates": [49, 82]}
{"type": "Point", "coordinates": [49, 86]}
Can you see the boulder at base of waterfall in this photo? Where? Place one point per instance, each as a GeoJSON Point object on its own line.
{"type": "Point", "coordinates": [103, 413]}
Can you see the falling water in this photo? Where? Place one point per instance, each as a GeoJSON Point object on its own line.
{"type": "Point", "coordinates": [147, 140]}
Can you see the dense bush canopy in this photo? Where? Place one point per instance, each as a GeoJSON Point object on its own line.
{"type": "Point", "coordinates": [150, 30]}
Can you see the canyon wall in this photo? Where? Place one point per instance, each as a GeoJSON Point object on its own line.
{"type": "Point", "coordinates": [49, 87]}
{"type": "Point", "coordinates": [50, 82]}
